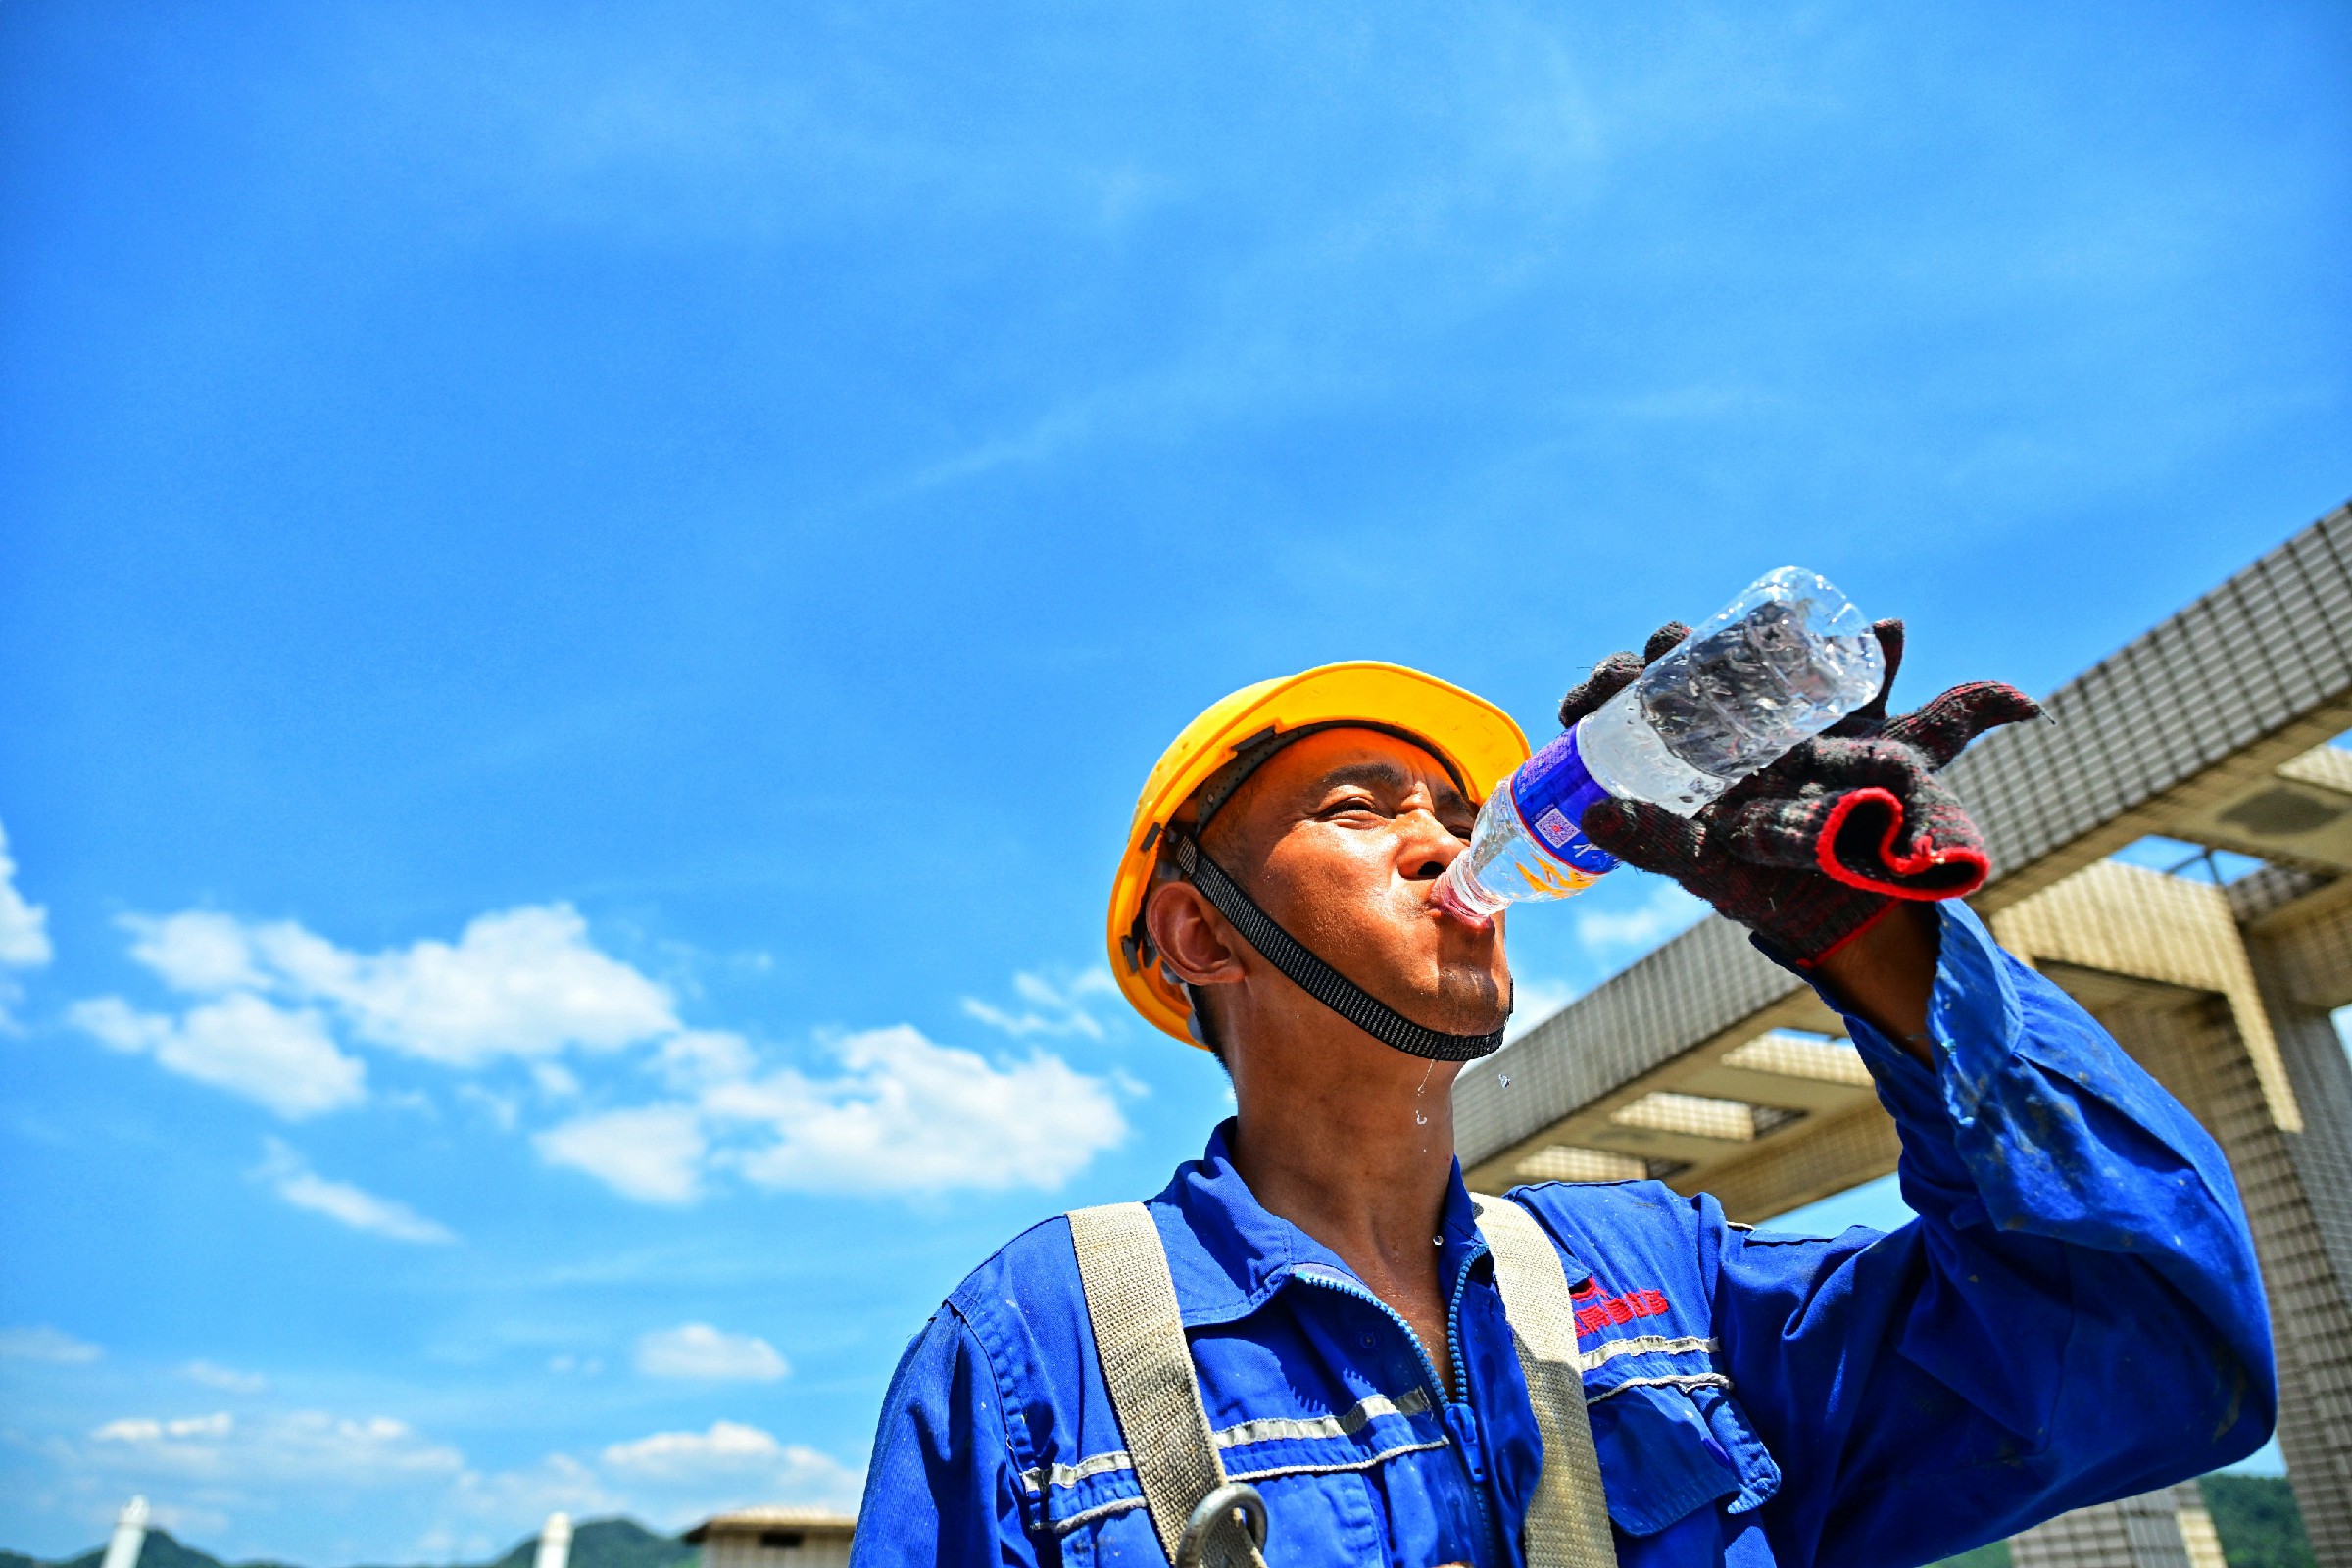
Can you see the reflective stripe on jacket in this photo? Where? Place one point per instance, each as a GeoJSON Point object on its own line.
{"type": "Point", "coordinates": [2075, 1315]}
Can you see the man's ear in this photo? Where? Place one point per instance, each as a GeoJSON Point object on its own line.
{"type": "Point", "coordinates": [1193, 938]}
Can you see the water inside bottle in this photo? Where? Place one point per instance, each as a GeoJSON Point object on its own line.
{"type": "Point", "coordinates": [1782, 663]}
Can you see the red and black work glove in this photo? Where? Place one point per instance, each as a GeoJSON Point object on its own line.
{"type": "Point", "coordinates": [1810, 851]}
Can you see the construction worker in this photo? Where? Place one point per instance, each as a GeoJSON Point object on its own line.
{"type": "Point", "coordinates": [1315, 1347]}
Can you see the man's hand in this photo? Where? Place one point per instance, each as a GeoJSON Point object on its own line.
{"type": "Point", "coordinates": [1814, 851]}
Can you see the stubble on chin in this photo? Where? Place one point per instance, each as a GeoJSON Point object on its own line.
{"type": "Point", "coordinates": [1471, 1001]}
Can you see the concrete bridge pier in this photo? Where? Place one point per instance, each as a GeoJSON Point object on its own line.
{"type": "Point", "coordinates": [2223, 995]}
{"type": "Point", "coordinates": [2167, 1529]}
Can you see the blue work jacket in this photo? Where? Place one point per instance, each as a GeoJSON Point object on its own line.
{"type": "Point", "coordinates": [2075, 1316]}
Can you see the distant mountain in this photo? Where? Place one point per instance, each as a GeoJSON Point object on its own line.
{"type": "Point", "coordinates": [2258, 1521]}
{"type": "Point", "coordinates": [605, 1544]}
{"type": "Point", "coordinates": [596, 1544]}
{"type": "Point", "coordinates": [160, 1552]}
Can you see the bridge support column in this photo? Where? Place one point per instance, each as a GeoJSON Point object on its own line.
{"type": "Point", "coordinates": [2215, 1015]}
{"type": "Point", "coordinates": [2301, 953]}
{"type": "Point", "coordinates": [2167, 1529]}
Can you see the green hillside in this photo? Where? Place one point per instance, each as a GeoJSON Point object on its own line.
{"type": "Point", "coordinates": [1995, 1555]}
{"type": "Point", "coordinates": [162, 1550]}
{"type": "Point", "coordinates": [2258, 1521]}
{"type": "Point", "coordinates": [609, 1543]}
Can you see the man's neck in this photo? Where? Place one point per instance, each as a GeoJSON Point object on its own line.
{"type": "Point", "coordinates": [1353, 1143]}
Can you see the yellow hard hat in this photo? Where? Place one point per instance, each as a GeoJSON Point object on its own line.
{"type": "Point", "coordinates": [1475, 739]}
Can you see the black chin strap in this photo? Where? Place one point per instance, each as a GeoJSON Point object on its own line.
{"type": "Point", "coordinates": [1312, 975]}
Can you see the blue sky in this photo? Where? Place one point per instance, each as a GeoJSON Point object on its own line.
{"type": "Point", "coordinates": [587, 590]}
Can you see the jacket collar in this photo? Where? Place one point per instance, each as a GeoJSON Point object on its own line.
{"type": "Point", "coordinates": [1228, 1255]}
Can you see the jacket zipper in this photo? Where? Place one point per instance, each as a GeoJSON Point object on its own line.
{"type": "Point", "coordinates": [1429, 1369]}
{"type": "Point", "coordinates": [1461, 1369]}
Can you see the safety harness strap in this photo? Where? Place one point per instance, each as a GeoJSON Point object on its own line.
{"type": "Point", "coordinates": [1148, 1366]}
{"type": "Point", "coordinates": [1312, 975]}
{"type": "Point", "coordinates": [1567, 1524]}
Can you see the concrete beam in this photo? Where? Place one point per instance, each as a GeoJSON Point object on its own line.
{"type": "Point", "coordinates": [2188, 718]}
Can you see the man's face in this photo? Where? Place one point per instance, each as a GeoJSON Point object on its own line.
{"type": "Point", "coordinates": [1341, 836]}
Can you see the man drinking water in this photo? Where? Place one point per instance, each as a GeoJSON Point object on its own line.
{"type": "Point", "coordinates": [1314, 1337]}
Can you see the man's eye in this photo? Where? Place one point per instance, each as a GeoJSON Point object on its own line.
{"type": "Point", "coordinates": [1352, 803]}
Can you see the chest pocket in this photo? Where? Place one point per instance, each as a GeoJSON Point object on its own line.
{"type": "Point", "coordinates": [1667, 1449]}
{"type": "Point", "coordinates": [1322, 1521]}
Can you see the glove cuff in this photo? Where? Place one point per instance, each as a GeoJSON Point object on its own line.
{"type": "Point", "coordinates": [1946, 858]}
{"type": "Point", "coordinates": [1831, 931]}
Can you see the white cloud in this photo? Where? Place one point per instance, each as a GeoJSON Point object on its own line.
{"type": "Point", "coordinates": [554, 1080]}
{"type": "Point", "coordinates": [558, 1481]}
{"type": "Point", "coordinates": [43, 1344]}
{"type": "Point", "coordinates": [140, 1429]}
{"type": "Point", "coordinates": [269, 1002]}
{"type": "Point", "coordinates": [701, 1057]}
{"type": "Point", "coordinates": [908, 1114]}
{"type": "Point", "coordinates": [674, 1475]}
{"type": "Point", "coordinates": [23, 933]}
{"type": "Point", "coordinates": [294, 1181]}
{"type": "Point", "coordinates": [242, 1043]}
{"type": "Point", "coordinates": [1049, 1009]}
{"type": "Point", "coordinates": [1667, 910]}
{"type": "Point", "coordinates": [652, 1153]}
{"type": "Point", "coordinates": [697, 1350]}
{"type": "Point", "coordinates": [254, 1462]}
{"type": "Point", "coordinates": [525, 981]}
{"type": "Point", "coordinates": [669, 1454]}
{"type": "Point", "coordinates": [119, 1026]}
{"type": "Point", "coordinates": [304, 1447]}
{"type": "Point", "coordinates": [229, 1380]}
{"type": "Point", "coordinates": [500, 1108]}
{"type": "Point", "coordinates": [195, 950]}
{"type": "Point", "coordinates": [246, 1461]}
{"type": "Point", "coordinates": [24, 927]}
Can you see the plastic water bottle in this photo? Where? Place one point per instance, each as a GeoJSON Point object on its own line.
{"type": "Point", "coordinates": [1779, 664]}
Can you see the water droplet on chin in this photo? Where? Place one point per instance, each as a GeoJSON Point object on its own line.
{"type": "Point", "coordinates": [1420, 1120]}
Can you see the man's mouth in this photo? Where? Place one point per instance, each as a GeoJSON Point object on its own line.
{"type": "Point", "coordinates": [1443, 902]}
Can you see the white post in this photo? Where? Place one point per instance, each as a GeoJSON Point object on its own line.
{"type": "Point", "coordinates": [555, 1543]}
{"type": "Point", "coordinates": [130, 1534]}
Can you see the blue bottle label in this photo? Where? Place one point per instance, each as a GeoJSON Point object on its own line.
{"type": "Point", "coordinates": [1551, 790]}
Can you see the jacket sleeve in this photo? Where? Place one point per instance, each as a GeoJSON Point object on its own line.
{"type": "Point", "coordinates": [2075, 1315]}
{"type": "Point", "coordinates": [941, 1489]}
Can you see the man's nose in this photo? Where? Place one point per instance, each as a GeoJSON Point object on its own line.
{"type": "Point", "coordinates": [1429, 847]}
